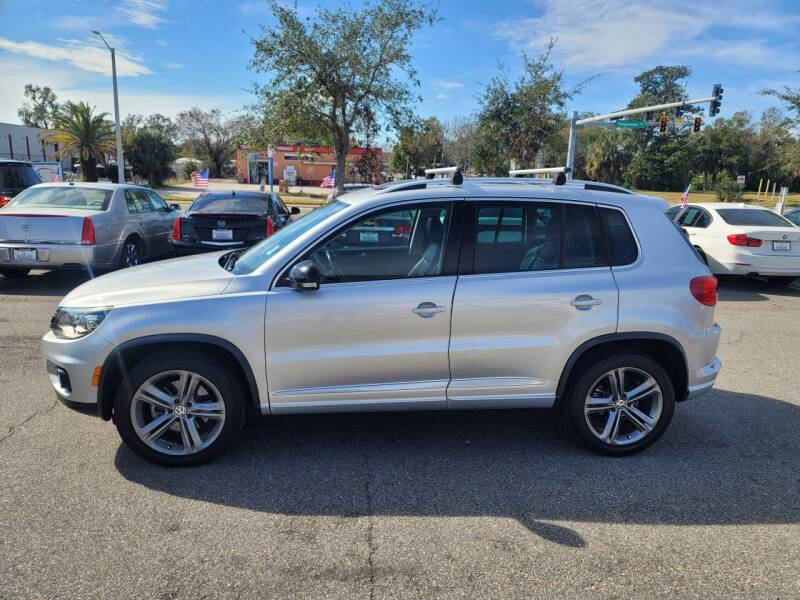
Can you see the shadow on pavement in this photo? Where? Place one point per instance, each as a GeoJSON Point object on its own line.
{"type": "Point", "coordinates": [728, 458]}
{"type": "Point", "coordinates": [749, 289]}
{"type": "Point", "coordinates": [44, 283]}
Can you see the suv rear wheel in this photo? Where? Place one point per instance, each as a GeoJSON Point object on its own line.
{"type": "Point", "coordinates": [178, 409]}
{"type": "Point", "coordinates": [621, 405]}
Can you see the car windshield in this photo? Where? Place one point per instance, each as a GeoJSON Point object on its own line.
{"type": "Point", "coordinates": [260, 253]}
{"type": "Point", "coordinates": [18, 176]}
{"type": "Point", "coordinates": [63, 197]}
{"type": "Point", "coordinates": [751, 216]}
{"type": "Point", "coordinates": [230, 204]}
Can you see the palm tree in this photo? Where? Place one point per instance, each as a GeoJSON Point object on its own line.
{"type": "Point", "coordinates": [77, 127]}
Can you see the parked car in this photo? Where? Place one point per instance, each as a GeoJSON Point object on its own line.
{"type": "Point", "coordinates": [740, 239]}
{"type": "Point", "coordinates": [15, 176]}
{"type": "Point", "coordinates": [218, 220]}
{"type": "Point", "coordinates": [503, 293]}
{"type": "Point", "coordinates": [83, 225]}
{"type": "Point", "coordinates": [793, 216]}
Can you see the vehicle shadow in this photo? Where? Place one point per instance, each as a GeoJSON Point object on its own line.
{"type": "Point", "coordinates": [44, 283]}
{"type": "Point", "coordinates": [728, 458]}
{"type": "Point", "coordinates": [733, 288]}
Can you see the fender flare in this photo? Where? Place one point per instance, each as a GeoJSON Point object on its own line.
{"type": "Point", "coordinates": [114, 358]}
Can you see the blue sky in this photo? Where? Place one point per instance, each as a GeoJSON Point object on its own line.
{"type": "Point", "coordinates": [174, 54]}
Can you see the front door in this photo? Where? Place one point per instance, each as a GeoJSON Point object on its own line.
{"type": "Point", "coordinates": [375, 335]}
{"type": "Point", "coordinates": [534, 283]}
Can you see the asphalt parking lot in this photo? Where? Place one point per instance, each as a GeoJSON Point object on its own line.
{"type": "Point", "coordinates": [420, 505]}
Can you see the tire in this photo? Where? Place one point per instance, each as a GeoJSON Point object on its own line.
{"type": "Point", "coordinates": [132, 253]}
{"type": "Point", "coordinates": [588, 421]}
{"type": "Point", "coordinates": [165, 443]}
{"type": "Point", "coordinates": [14, 273]}
{"type": "Point", "coordinates": [781, 280]}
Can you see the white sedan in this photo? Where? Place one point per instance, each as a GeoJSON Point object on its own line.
{"type": "Point", "coordinates": [739, 239]}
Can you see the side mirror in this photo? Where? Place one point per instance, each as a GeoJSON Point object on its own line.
{"type": "Point", "coordinates": [295, 210]}
{"type": "Point", "coordinates": [175, 206]}
{"type": "Point", "coordinates": [305, 276]}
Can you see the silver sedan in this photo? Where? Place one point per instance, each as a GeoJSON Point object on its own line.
{"type": "Point", "coordinates": [83, 225]}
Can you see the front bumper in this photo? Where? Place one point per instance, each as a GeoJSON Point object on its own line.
{"type": "Point", "coordinates": [60, 256]}
{"type": "Point", "coordinates": [70, 365]}
{"type": "Point", "coordinates": [702, 380]}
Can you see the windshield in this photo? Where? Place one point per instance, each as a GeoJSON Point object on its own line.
{"type": "Point", "coordinates": [750, 216]}
{"type": "Point", "coordinates": [230, 204]}
{"type": "Point", "coordinates": [263, 251]}
{"type": "Point", "coordinates": [63, 197]}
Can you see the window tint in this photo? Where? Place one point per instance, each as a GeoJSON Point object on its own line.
{"type": "Point", "coordinates": [18, 176]}
{"type": "Point", "coordinates": [673, 212]}
{"type": "Point", "coordinates": [63, 197]}
{"type": "Point", "coordinates": [390, 244]}
{"type": "Point", "coordinates": [583, 242]}
{"type": "Point", "coordinates": [517, 236]}
{"type": "Point", "coordinates": [279, 203]}
{"type": "Point", "coordinates": [156, 200]}
{"type": "Point", "coordinates": [621, 244]}
{"type": "Point", "coordinates": [231, 204]}
{"type": "Point", "coordinates": [793, 216]}
{"type": "Point", "coordinates": [752, 216]}
{"type": "Point", "coordinates": [137, 202]}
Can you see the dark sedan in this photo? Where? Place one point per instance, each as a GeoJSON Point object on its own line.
{"type": "Point", "coordinates": [229, 220]}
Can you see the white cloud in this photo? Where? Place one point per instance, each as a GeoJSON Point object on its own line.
{"type": "Point", "coordinates": [441, 96]}
{"type": "Point", "coordinates": [144, 13]}
{"type": "Point", "coordinates": [174, 65]}
{"type": "Point", "coordinates": [80, 55]}
{"type": "Point", "coordinates": [447, 85]}
{"type": "Point", "coordinates": [162, 43]}
{"type": "Point", "coordinates": [602, 34]}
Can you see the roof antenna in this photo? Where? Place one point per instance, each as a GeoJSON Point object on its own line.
{"type": "Point", "coordinates": [458, 176]}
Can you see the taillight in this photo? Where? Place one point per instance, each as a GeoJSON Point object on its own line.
{"type": "Point", "coordinates": [4, 200]}
{"type": "Point", "coordinates": [176, 229]}
{"type": "Point", "coordinates": [270, 227]}
{"type": "Point", "coordinates": [740, 239]}
{"type": "Point", "coordinates": [704, 290]}
{"type": "Point", "coordinates": [87, 235]}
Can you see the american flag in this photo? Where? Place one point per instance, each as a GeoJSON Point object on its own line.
{"type": "Point", "coordinates": [200, 178]}
{"type": "Point", "coordinates": [330, 180]}
{"type": "Point", "coordinates": [685, 196]}
{"type": "Point", "coordinates": [57, 178]}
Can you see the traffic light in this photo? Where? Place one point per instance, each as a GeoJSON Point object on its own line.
{"type": "Point", "coordinates": [698, 121]}
{"type": "Point", "coordinates": [662, 126]}
{"type": "Point", "coordinates": [713, 109]}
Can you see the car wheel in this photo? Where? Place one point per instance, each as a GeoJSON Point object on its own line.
{"type": "Point", "coordinates": [781, 280]}
{"type": "Point", "coordinates": [621, 404]}
{"type": "Point", "coordinates": [10, 273]}
{"type": "Point", "coordinates": [178, 409]}
{"type": "Point", "coordinates": [131, 253]}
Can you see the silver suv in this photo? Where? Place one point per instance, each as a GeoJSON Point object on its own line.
{"type": "Point", "coordinates": [496, 293]}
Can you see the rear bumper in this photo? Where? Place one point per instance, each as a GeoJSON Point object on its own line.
{"type": "Point", "coordinates": [746, 263]}
{"type": "Point", "coordinates": [189, 248]}
{"type": "Point", "coordinates": [59, 256]}
{"type": "Point", "coordinates": [702, 380]}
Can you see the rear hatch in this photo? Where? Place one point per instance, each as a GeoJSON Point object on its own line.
{"type": "Point", "coordinates": [42, 225]}
{"type": "Point", "coordinates": [226, 227]}
{"type": "Point", "coordinates": [776, 241]}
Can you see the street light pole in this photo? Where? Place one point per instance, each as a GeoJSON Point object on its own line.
{"type": "Point", "coordinates": [120, 160]}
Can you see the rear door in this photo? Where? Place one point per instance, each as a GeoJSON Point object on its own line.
{"type": "Point", "coordinates": [533, 284]}
{"type": "Point", "coordinates": [143, 219]}
{"type": "Point", "coordinates": [163, 218]}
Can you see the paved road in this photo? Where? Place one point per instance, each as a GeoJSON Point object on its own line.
{"type": "Point", "coordinates": [420, 505]}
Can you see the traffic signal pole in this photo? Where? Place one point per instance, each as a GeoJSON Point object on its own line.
{"type": "Point", "coordinates": [575, 123]}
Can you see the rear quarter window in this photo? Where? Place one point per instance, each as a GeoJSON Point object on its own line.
{"type": "Point", "coordinates": [622, 248]}
{"type": "Point", "coordinates": [752, 216]}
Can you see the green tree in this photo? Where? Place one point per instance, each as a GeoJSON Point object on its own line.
{"type": "Point", "coordinates": [211, 135]}
{"type": "Point", "coordinates": [789, 97]}
{"type": "Point", "coordinates": [419, 145]}
{"type": "Point", "coordinates": [340, 71]}
{"type": "Point", "coordinates": [77, 128]}
{"type": "Point", "coordinates": [149, 146]}
{"type": "Point", "coordinates": [517, 118]}
{"type": "Point", "coordinates": [42, 108]}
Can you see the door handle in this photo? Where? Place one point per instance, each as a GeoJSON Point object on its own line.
{"type": "Point", "coordinates": [585, 302]}
{"type": "Point", "coordinates": [427, 309]}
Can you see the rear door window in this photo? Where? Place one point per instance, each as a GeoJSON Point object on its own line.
{"type": "Point", "coordinates": [137, 202]}
{"type": "Point", "coordinates": [583, 241]}
{"type": "Point", "coordinates": [156, 200]}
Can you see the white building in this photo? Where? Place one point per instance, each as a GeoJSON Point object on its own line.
{"type": "Point", "coordinates": [22, 143]}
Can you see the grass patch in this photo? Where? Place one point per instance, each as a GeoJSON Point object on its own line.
{"type": "Point", "coordinates": [748, 197]}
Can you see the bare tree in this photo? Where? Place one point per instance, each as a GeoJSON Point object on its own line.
{"type": "Point", "coordinates": [213, 135]}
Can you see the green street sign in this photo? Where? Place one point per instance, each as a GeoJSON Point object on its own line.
{"type": "Point", "coordinates": [626, 124]}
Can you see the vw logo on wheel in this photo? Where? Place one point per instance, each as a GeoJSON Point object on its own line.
{"type": "Point", "coordinates": [180, 410]}
{"type": "Point", "coordinates": [221, 223]}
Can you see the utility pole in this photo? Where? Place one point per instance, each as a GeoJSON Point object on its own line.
{"type": "Point", "coordinates": [120, 160]}
{"type": "Point", "coordinates": [571, 145]}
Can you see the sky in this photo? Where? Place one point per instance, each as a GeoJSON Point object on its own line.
{"type": "Point", "coordinates": [175, 54]}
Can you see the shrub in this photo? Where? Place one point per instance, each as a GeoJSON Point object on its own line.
{"type": "Point", "coordinates": [189, 168]}
{"type": "Point", "coordinates": [727, 190]}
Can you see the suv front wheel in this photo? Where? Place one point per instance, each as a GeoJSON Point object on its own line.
{"type": "Point", "coordinates": [178, 409]}
{"type": "Point", "coordinates": [621, 405]}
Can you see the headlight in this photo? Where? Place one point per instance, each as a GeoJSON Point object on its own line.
{"type": "Point", "coordinates": [73, 323]}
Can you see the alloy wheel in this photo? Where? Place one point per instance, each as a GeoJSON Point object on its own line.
{"type": "Point", "coordinates": [178, 412]}
{"type": "Point", "coordinates": [623, 406]}
{"type": "Point", "coordinates": [132, 256]}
